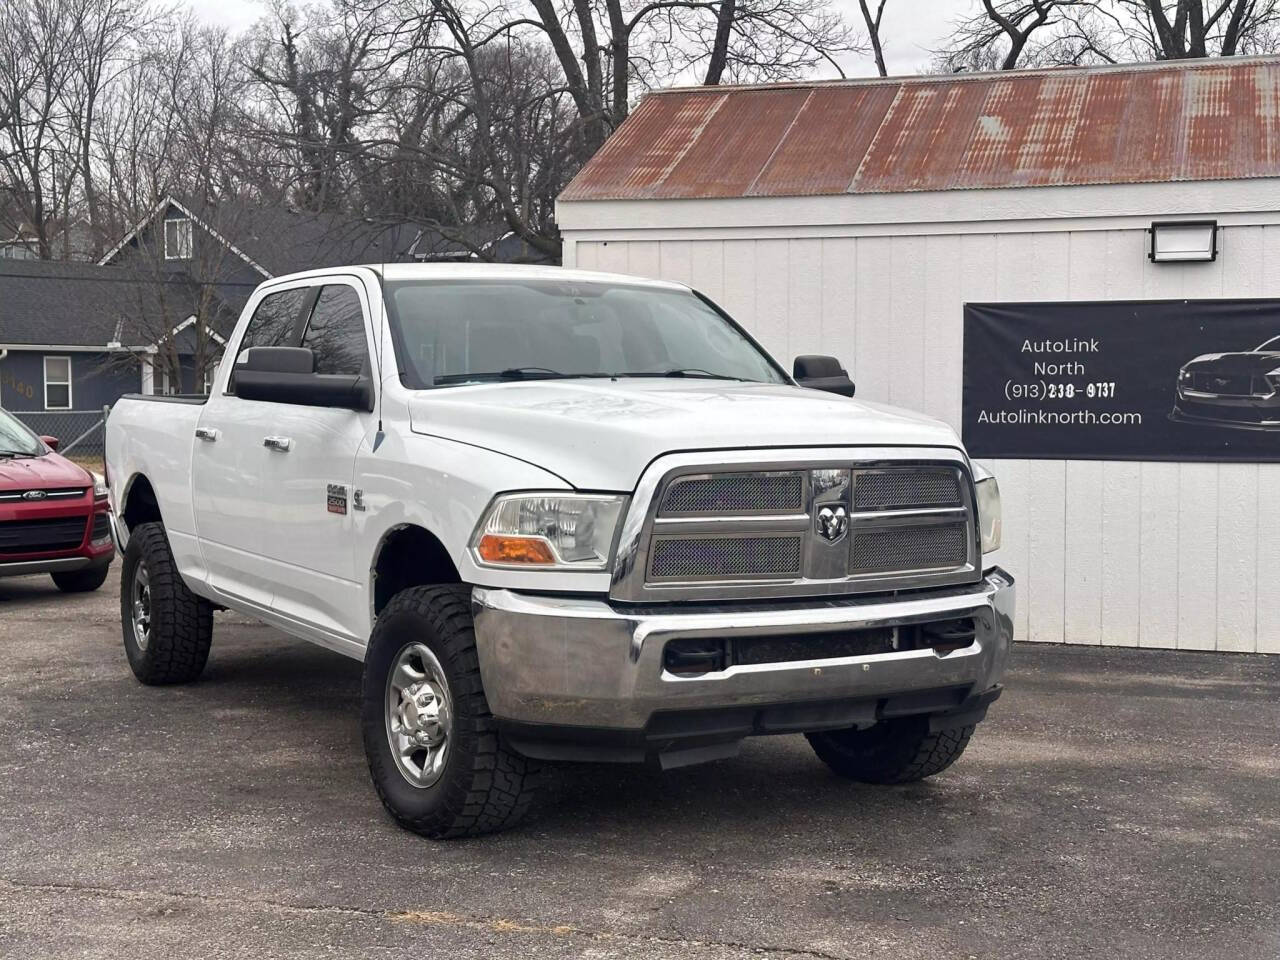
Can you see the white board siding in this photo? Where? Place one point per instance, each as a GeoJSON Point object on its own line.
{"type": "Point", "coordinates": [1117, 553]}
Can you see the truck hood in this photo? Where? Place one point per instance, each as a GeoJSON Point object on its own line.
{"type": "Point", "coordinates": [601, 434]}
{"type": "Point", "coordinates": [48, 472]}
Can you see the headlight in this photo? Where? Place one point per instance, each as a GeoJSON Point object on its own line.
{"type": "Point", "coordinates": [988, 508]}
{"type": "Point", "coordinates": [1184, 375]}
{"type": "Point", "coordinates": [99, 487]}
{"type": "Point", "coordinates": [1273, 378]}
{"type": "Point", "coordinates": [574, 532]}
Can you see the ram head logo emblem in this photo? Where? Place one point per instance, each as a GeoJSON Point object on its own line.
{"type": "Point", "coordinates": [833, 521]}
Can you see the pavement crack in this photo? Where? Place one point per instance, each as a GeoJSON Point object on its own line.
{"type": "Point", "coordinates": [424, 918]}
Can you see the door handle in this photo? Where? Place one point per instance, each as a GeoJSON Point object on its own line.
{"type": "Point", "coordinates": [206, 434]}
{"type": "Point", "coordinates": [277, 443]}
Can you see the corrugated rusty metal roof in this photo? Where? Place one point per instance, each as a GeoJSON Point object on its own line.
{"type": "Point", "coordinates": [1199, 120]}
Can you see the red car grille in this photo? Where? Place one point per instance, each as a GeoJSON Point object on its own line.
{"type": "Point", "coordinates": [41, 536]}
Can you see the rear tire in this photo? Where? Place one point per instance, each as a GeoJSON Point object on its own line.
{"type": "Point", "coordinates": [81, 581]}
{"type": "Point", "coordinates": [901, 750]}
{"type": "Point", "coordinates": [167, 628]}
{"type": "Point", "coordinates": [422, 680]}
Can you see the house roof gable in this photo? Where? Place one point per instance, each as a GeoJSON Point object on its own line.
{"type": "Point", "coordinates": [87, 305]}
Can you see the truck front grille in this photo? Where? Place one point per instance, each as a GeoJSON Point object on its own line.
{"type": "Point", "coordinates": [819, 528]}
{"type": "Point", "coordinates": [904, 489]}
{"type": "Point", "coordinates": [735, 493]}
{"type": "Point", "coordinates": [41, 536]}
{"type": "Point", "coordinates": [918, 547]}
{"type": "Point", "coordinates": [688, 559]}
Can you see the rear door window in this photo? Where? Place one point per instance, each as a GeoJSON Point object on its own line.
{"type": "Point", "coordinates": [336, 332]}
{"type": "Point", "coordinates": [274, 323]}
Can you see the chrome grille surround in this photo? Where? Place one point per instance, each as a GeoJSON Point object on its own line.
{"type": "Point", "coordinates": [889, 544]}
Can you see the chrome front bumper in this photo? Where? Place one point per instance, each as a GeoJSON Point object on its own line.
{"type": "Point", "coordinates": [571, 662]}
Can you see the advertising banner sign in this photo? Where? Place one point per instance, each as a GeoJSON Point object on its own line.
{"type": "Point", "coordinates": [1123, 380]}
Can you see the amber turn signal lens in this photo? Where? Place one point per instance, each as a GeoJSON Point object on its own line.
{"type": "Point", "coordinates": [495, 548]}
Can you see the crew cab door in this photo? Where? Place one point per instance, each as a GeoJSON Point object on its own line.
{"type": "Point", "coordinates": [309, 478]}
{"type": "Point", "coordinates": [232, 505]}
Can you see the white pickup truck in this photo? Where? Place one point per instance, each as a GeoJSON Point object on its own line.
{"type": "Point", "coordinates": [562, 516]}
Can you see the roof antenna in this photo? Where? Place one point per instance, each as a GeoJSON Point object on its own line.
{"type": "Point", "coordinates": [377, 351]}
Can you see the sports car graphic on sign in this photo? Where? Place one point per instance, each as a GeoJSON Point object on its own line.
{"type": "Point", "coordinates": [1232, 389]}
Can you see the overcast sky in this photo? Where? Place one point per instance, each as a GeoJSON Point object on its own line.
{"type": "Point", "coordinates": [911, 27]}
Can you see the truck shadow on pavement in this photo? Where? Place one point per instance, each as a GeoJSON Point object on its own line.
{"type": "Point", "coordinates": [774, 783]}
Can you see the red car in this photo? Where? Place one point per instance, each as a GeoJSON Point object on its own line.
{"type": "Point", "coordinates": [53, 514]}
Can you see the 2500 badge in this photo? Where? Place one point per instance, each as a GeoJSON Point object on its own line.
{"type": "Point", "coordinates": [336, 499]}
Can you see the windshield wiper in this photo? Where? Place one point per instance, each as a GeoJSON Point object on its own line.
{"type": "Point", "coordinates": [694, 372]}
{"type": "Point", "coordinates": [511, 373]}
{"type": "Point", "coordinates": [11, 454]}
{"type": "Point", "coordinates": [517, 373]}
{"type": "Point", "coordinates": [546, 373]}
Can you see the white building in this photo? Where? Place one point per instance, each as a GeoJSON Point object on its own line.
{"type": "Point", "coordinates": [857, 219]}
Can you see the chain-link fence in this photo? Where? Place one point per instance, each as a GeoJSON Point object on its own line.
{"type": "Point", "coordinates": [81, 433]}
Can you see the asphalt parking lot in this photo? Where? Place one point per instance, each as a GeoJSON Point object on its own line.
{"type": "Point", "coordinates": [1116, 803]}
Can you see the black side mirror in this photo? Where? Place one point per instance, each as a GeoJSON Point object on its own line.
{"type": "Point", "coordinates": [822, 373]}
{"type": "Point", "coordinates": [286, 375]}
{"type": "Point", "coordinates": [278, 360]}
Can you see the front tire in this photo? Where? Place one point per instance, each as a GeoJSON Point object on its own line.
{"type": "Point", "coordinates": [434, 752]}
{"type": "Point", "coordinates": [81, 581]}
{"type": "Point", "coordinates": [901, 750]}
{"type": "Point", "coordinates": [167, 628]}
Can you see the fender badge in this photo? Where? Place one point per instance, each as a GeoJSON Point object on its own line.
{"type": "Point", "coordinates": [336, 500]}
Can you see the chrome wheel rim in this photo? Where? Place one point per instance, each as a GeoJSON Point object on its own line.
{"type": "Point", "coordinates": [141, 595]}
{"type": "Point", "coordinates": [419, 715]}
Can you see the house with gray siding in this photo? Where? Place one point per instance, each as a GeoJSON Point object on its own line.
{"type": "Point", "coordinates": [152, 315]}
{"type": "Point", "coordinates": [75, 337]}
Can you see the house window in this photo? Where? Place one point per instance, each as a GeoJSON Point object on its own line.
{"type": "Point", "coordinates": [210, 374]}
{"type": "Point", "coordinates": [177, 239]}
{"type": "Point", "coordinates": [57, 383]}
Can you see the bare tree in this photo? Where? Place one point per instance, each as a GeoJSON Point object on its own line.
{"type": "Point", "coordinates": [1005, 34]}
{"type": "Point", "coordinates": [463, 117]}
{"type": "Point", "coordinates": [36, 50]}
{"type": "Point", "coordinates": [872, 22]}
{"type": "Point", "coordinates": [103, 49]}
{"type": "Point", "coordinates": [605, 54]}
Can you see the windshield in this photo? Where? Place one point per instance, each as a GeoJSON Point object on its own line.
{"type": "Point", "coordinates": [462, 331]}
{"type": "Point", "coordinates": [1270, 346]}
{"type": "Point", "coordinates": [16, 440]}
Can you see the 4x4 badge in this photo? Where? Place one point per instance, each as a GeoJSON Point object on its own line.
{"type": "Point", "coordinates": [832, 523]}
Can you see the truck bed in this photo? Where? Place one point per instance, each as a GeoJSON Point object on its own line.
{"type": "Point", "coordinates": [153, 437]}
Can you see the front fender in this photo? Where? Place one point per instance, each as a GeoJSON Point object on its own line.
{"type": "Point", "coordinates": [445, 486]}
